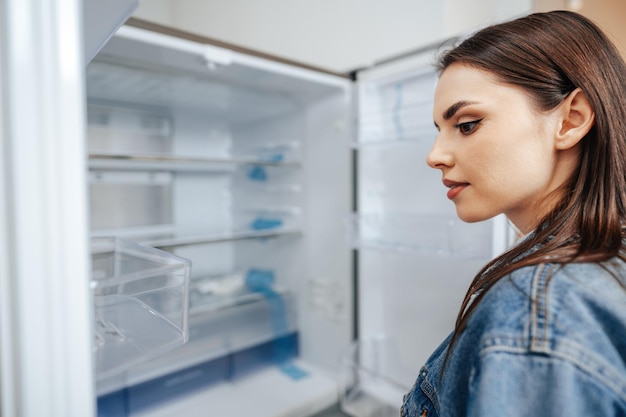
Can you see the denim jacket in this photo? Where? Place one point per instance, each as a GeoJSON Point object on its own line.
{"type": "Point", "coordinates": [546, 340]}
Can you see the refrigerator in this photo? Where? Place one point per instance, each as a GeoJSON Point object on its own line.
{"type": "Point", "coordinates": [279, 243]}
{"type": "Point", "coordinates": [326, 261]}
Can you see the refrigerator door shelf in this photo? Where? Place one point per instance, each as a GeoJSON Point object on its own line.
{"type": "Point", "coordinates": [424, 235]}
{"type": "Point", "coordinates": [141, 303]}
{"type": "Point", "coordinates": [389, 126]}
{"type": "Point", "coordinates": [368, 388]}
{"type": "Point", "coordinates": [397, 110]}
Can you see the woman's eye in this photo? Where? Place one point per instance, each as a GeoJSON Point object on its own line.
{"type": "Point", "coordinates": [468, 127]}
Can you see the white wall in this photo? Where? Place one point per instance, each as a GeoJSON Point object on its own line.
{"type": "Point", "coordinates": [339, 35]}
{"type": "Point", "coordinates": [466, 16]}
{"type": "Point", "coordinates": [158, 11]}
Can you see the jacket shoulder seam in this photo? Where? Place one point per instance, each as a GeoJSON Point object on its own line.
{"type": "Point", "coordinates": [566, 351]}
{"type": "Point", "coordinates": [539, 313]}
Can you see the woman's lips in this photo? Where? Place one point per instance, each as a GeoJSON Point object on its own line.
{"type": "Point", "coordinates": [454, 188]}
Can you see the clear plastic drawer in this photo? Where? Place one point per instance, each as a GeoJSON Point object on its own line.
{"type": "Point", "coordinates": [141, 303]}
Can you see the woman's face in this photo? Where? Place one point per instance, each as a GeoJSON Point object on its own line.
{"type": "Point", "coordinates": [495, 150]}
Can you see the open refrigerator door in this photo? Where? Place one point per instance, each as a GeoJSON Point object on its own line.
{"type": "Point", "coordinates": [415, 257]}
{"type": "Point", "coordinates": [46, 305]}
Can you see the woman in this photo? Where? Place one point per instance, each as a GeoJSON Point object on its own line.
{"type": "Point", "coordinates": [531, 117]}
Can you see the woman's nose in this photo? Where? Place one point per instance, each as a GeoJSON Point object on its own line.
{"type": "Point", "coordinates": [439, 156]}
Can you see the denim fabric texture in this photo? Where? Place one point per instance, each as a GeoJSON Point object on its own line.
{"type": "Point", "coordinates": [546, 340]}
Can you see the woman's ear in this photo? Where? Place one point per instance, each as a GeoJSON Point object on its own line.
{"type": "Point", "coordinates": [577, 118]}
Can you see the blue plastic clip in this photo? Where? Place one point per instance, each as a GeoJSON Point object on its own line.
{"type": "Point", "coordinates": [277, 157]}
{"type": "Point", "coordinates": [261, 223]}
{"type": "Point", "coordinates": [257, 173]}
{"type": "Point", "coordinates": [262, 281]}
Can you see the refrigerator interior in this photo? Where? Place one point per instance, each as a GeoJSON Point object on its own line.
{"type": "Point", "coordinates": [416, 258]}
{"type": "Point", "coordinates": [242, 166]}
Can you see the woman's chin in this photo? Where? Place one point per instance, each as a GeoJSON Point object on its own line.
{"type": "Point", "coordinates": [472, 217]}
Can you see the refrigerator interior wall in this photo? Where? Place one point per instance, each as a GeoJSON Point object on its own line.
{"type": "Point", "coordinates": [416, 258]}
{"type": "Point", "coordinates": [242, 168]}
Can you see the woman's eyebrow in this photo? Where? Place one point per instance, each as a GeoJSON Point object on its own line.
{"type": "Point", "coordinates": [451, 111]}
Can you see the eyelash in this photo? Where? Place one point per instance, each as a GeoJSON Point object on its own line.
{"type": "Point", "coordinates": [471, 125]}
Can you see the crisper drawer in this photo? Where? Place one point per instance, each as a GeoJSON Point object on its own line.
{"type": "Point", "coordinates": [229, 312]}
{"type": "Point", "coordinates": [218, 334]}
{"type": "Point", "coordinates": [141, 303]}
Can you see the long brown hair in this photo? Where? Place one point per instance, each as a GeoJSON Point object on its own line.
{"type": "Point", "coordinates": [549, 55]}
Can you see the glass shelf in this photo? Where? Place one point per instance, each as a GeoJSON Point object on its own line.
{"type": "Point", "coordinates": [225, 237]}
{"type": "Point", "coordinates": [143, 162]}
{"type": "Point", "coordinates": [218, 292]}
{"type": "Point", "coordinates": [167, 239]}
{"type": "Point", "coordinates": [427, 235]}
